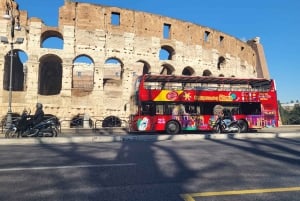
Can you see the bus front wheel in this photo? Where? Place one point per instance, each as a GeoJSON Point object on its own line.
{"type": "Point", "coordinates": [172, 127]}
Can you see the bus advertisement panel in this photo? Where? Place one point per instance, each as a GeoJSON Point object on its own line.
{"type": "Point", "coordinates": [178, 103]}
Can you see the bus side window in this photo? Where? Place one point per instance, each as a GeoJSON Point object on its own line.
{"type": "Point", "coordinates": [159, 109]}
{"type": "Point", "coordinates": [190, 109]}
{"type": "Point", "coordinates": [234, 111]}
{"type": "Point", "coordinates": [145, 109]}
{"type": "Point", "coordinates": [148, 109]}
{"type": "Point", "coordinates": [198, 109]}
{"type": "Point", "coordinates": [168, 111]}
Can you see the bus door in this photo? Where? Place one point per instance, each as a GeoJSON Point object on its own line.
{"type": "Point", "coordinates": [145, 121]}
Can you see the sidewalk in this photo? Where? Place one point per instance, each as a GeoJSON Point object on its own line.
{"type": "Point", "coordinates": [72, 136]}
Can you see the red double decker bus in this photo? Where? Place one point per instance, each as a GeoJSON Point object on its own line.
{"type": "Point", "coordinates": [171, 104]}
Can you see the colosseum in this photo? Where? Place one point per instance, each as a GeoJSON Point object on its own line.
{"type": "Point", "coordinates": [102, 50]}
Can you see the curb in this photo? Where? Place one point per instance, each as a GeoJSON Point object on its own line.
{"type": "Point", "coordinates": [128, 138]}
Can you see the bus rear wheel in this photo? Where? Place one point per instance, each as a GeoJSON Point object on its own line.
{"type": "Point", "coordinates": [172, 127]}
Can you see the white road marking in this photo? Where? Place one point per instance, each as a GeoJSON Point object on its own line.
{"type": "Point", "coordinates": [65, 167]}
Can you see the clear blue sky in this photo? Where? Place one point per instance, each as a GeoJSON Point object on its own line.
{"type": "Point", "coordinates": [276, 22]}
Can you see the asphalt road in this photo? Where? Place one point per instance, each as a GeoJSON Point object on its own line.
{"type": "Point", "coordinates": [265, 169]}
{"type": "Point", "coordinates": [121, 135]}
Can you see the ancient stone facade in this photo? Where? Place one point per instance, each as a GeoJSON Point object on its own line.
{"type": "Point", "coordinates": [136, 40]}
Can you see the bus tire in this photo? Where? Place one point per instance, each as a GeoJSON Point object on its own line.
{"type": "Point", "coordinates": [172, 127]}
{"type": "Point", "coordinates": [243, 125]}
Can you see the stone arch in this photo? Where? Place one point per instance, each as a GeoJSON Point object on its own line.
{"type": "Point", "coordinates": [188, 71]}
{"type": "Point", "coordinates": [166, 52]}
{"type": "Point", "coordinates": [56, 39]}
{"type": "Point", "coordinates": [167, 69]}
{"type": "Point", "coordinates": [221, 75]}
{"type": "Point", "coordinates": [50, 75]}
{"type": "Point", "coordinates": [83, 58]}
{"type": "Point", "coordinates": [112, 121]}
{"type": "Point", "coordinates": [221, 62]}
{"type": "Point", "coordinates": [113, 68]}
{"type": "Point", "coordinates": [206, 73]}
{"type": "Point", "coordinates": [83, 73]}
{"type": "Point", "coordinates": [19, 71]}
{"type": "Point", "coordinates": [78, 121]}
{"type": "Point", "coordinates": [112, 84]}
{"type": "Point", "coordinates": [146, 67]}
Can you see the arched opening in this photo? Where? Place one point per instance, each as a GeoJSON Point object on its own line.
{"type": "Point", "coordinates": [145, 68]}
{"type": "Point", "coordinates": [167, 69]}
{"type": "Point", "coordinates": [19, 70]}
{"type": "Point", "coordinates": [166, 52]}
{"type": "Point", "coordinates": [112, 84]}
{"type": "Point", "coordinates": [113, 69]}
{"type": "Point", "coordinates": [206, 73]}
{"type": "Point", "coordinates": [111, 121]}
{"type": "Point", "coordinates": [78, 121]}
{"type": "Point", "coordinates": [83, 73]}
{"type": "Point", "coordinates": [221, 62]}
{"type": "Point", "coordinates": [50, 75]}
{"type": "Point", "coordinates": [188, 71]}
{"type": "Point", "coordinates": [52, 39]}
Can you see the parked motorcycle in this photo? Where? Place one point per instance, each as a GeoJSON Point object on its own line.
{"type": "Point", "coordinates": [24, 128]}
{"type": "Point", "coordinates": [223, 125]}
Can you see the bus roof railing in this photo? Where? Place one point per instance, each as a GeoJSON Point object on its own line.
{"type": "Point", "coordinates": [207, 79]}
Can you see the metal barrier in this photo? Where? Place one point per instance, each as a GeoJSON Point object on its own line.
{"type": "Point", "coordinates": [95, 125]}
{"type": "Point", "coordinates": [79, 123]}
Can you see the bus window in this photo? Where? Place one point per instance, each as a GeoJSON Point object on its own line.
{"type": "Point", "coordinates": [148, 109]}
{"type": "Point", "coordinates": [251, 108]}
{"type": "Point", "coordinates": [159, 109]}
{"type": "Point", "coordinates": [207, 108]}
{"type": "Point", "coordinates": [235, 111]}
{"type": "Point", "coordinates": [169, 109]}
{"type": "Point", "coordinates": [198, 109]}
{"type": "Point", "coordinates": [190, 109]}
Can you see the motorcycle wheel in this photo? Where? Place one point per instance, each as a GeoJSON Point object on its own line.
{"type": "Point", "coordinates": [10, 133]}
{"type": "Point", "coordinates": [54, 132]}
{"type": "Point", "coordinates": [217, 129]}
{"type": "Point", "coordinates": [243, 125]}
{"type": "Point", "coordinates": [32, 133]}
{"type": "Point", "coordinates": [237, 127]}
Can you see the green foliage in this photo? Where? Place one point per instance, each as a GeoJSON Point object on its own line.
{"type": "Point", "coordinates": [290, 117]}
{"type": "Point", "coordinates": [283, 114]}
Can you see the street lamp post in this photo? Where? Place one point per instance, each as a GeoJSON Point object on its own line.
{"type": "Point", "coordinates": [12, 13]}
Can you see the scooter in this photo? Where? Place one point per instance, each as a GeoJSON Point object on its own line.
{"type": "Point", "coordinates": [23, 127]}
{"type": "Point", "coordinates": [225, 125]}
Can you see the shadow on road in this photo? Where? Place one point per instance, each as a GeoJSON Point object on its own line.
{"type": "Point", "coordinates": [142, 170]}
{"type": "Point", "coordinates": [127, 171]}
